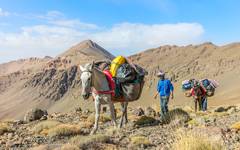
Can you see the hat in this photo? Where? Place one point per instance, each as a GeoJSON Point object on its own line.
{"type": "Point", "coordinates": [161, 73]}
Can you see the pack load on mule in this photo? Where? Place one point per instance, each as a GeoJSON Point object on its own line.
{"type": "Point", "coordinates": [128, 78]}
{"type": "Point", "coordinates": [97, 80]}
{"type": "Point", "coordinates": [208, 84]}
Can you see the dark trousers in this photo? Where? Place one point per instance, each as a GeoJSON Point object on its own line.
{"type": "Point", "coordinates": [204, 103]}
{"type": "Point", "coordinates": [164, 104]}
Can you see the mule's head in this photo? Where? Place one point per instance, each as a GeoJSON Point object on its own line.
{"type": "Point", "coordinates": [86, 78]}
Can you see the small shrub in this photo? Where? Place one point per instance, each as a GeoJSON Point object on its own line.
{"type": "Point", "coordinates": [64, 130]}
{"type": "Point", "coordinates": [236, 126]}
{"type": "Point", "coordinates": [103, 118]}
{"type": "Point", "coordinates": [139, 140]}
{"type": "Point", "coordinates": [176, 116]}
{"type": "Point", "coordinates": [86, 141]}
{"type": "Point", "coordinates": [195, 141]}
{"type": "Point", "coordinates": [4, 128]}
{"type": "Point", "coordinates": [145, 120]}
{"type": "Point", "coordinates": [220, 114]}
{"type": "Point", "coordinates": [44, 126]}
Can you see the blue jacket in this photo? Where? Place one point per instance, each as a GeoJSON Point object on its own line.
{"type": "Point", "coordinates": [164, 87]}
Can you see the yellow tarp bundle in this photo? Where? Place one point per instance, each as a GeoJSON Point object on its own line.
{"type": "Point", "coordinates": [116, 63]}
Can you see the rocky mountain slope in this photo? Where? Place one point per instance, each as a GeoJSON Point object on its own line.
{"type": "Point", "coordinates": [54, 83]}
{"type": "Point", "coordinates": [194, 61]}
{"type": "Point", "coordinates": [50, 83]}
{"type": "Point", "coordinates": [31, 64]}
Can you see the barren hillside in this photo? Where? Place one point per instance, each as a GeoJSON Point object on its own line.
{"type": "Point", "coordinates": [194, 61]}
{"type": "Point", "coordinates": [53, 84]}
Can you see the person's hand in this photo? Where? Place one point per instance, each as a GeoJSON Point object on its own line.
{"type": "Point", "coordinates": [155, 97]}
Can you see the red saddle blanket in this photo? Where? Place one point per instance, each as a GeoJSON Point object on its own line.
{"type": "Point", "coordinates": [111, 82]}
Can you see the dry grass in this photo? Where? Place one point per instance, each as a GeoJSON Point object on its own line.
{"type": "Point", "coordinates": [195, 141]}
{"type": "Point", "coordinates": [69, 147]}
{"type": "Point", "coordinates": [4, 127]}
{"type": "Point", "coordinates": [219, 114]}
{"type": "Point", "coordinates": [112, 131]}
{"type": "Point", "coordinates": [43, 127]}
{"type": "Point", "coordinates": [86, 124]}
{"type": "Point", "coordinates": [188, 109]}
{"type": "Point", "coordinates": [236, 126]}
{"type": "Point", "coordinates": [156, 107]}
{"type": "Point", "coordinates": [64, 130]}
{"type": "Point", "coordinates": [103, 118]}
{"type": "Point", "coordinates": [86, 141]}
{"type": "Point", "coordinates": [193, 122]}
{"type": "Point", "coordinates": [133, 117]}
{"type": "Point", "coordinates": [139, 140]}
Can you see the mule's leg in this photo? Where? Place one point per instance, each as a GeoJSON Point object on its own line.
{"type": "Point", "coordinates": [112, 111]}
{"type": "Point", "coordinates": [97, 115]}
{"type": "Point", "coordinates": [124, 109]}
{"type": "Point", "coordinates": [125, 117]}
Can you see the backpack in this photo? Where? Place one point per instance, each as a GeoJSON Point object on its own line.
{"type": "Point", "coordinates": [206, 83]}
{"type": "Point", "coordinates": [125, 73]}
{"type": "Point", "coordinates": [209, 87]}
{"type": "Point", "coordinates": [186, 85]}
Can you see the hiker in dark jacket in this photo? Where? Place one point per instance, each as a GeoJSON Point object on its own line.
{"type": "Point", "coordinates": [199, 95]}
{"type": "Point", "coordinates": [165, 90]}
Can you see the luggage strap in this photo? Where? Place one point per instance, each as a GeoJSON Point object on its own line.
{"type": "Point", "coordinates": [102, 92]}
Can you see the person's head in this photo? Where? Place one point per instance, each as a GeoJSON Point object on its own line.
{"type": "Point", "coordinates": [161, 75]}
{"type": "Point", "coordinates": [196, 84]}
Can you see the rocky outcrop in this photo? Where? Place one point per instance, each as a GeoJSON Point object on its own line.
{"type": "Point", "coordinates": [150, 112]}
{"type": "Point", "coordinates": [53, 83]}
{"type": "Point", "coordinates": [138, 112]}
{"type": "Point", "coordinates": [34, 114]}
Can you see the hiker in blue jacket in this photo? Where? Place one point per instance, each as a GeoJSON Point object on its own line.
{"type": "Point", "coordinates": [165, 90]}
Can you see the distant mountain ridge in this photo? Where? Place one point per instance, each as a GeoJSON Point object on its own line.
{"type": "Point", "coordinates": [54, 83]}
{"type": "Point", "coordinates": [194, 61]}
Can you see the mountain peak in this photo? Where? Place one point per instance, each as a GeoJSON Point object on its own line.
{"type": "Point", "coordinates": [85, 51]}
{"type": "Point", "coordinates": [86, 43]}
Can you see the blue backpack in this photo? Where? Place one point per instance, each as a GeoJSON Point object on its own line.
{"type": "Point", "coordinates": [205, 83]}
{"type": "Point", "coordinates": [187, 86]}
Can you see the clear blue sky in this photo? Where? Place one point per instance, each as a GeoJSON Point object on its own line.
{"type": "Point", "coordinates": [48, 27]}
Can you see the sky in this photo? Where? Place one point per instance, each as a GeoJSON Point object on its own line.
{"type": "Point", "coordinates": [30, 28]}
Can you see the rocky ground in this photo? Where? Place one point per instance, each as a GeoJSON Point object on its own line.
{"type": "Point", "coordinates": [145, 130]}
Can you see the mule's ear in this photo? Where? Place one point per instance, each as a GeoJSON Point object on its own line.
{"type": "Point", "coordinates": [81, 68]}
